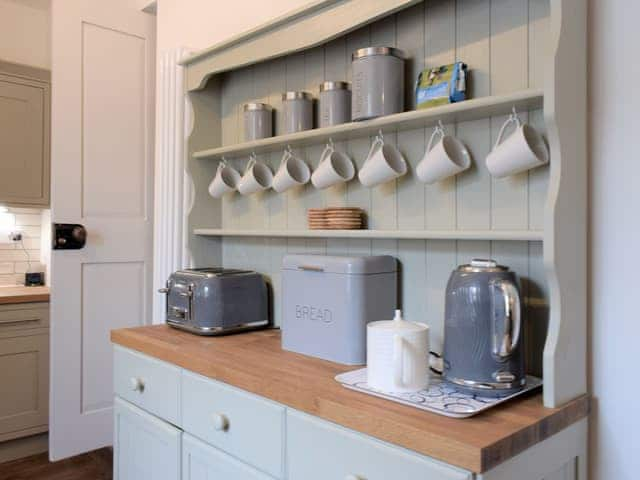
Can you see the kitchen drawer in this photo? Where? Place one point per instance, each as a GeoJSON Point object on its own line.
{"type": "Point", "coordinates": [203, 462]}
{"type": "Point", "coordinates": [148, 383]}
{"type": "Point", "coordinates": [239, 423]}
{"type": "Point", "coordinates": [22, 316]}
{"type": "Point", "coordinates": [319, 450]}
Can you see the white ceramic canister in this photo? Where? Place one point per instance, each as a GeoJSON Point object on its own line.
{"type": "Point", "coordinates": [377, 83]}
{"type": "Point", "coordinates": [397, 355]}
{"type": "Point", "coordinates": [258, 121]}
{"type": "Point", "coordinates": [334, 103]}
{"type": "Point", "coordinates": [298, 111]}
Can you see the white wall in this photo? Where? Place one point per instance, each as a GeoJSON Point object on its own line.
{"type": "Point", "coordinates": [615, 199]}
{"type": "Point", "coordinates": [25, 32]}
{"type": "Point", "coordinates": [615, 237]}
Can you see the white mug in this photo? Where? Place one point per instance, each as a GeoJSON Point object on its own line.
{"type": "Point", "coordinates": [257, 177]}
{"type": "Point", "coordinates": [334, 167]}
{"type": "Point", "coordinates": [397, 355]}
{"type": "Point", "coordinates": [225, 181]}
{"type": "Point", "coordinates": [448, 157]}
{"type": "Point", "coordinates": [384, 163]}
{"type": "Point", "coordinates": [524, 149]}
{"type": "Point", "coordinates": [292, 172]}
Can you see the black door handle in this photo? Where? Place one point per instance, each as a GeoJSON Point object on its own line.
{"type": "Point", "coordinates": [68, 236]}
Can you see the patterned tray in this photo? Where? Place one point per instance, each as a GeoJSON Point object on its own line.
{"type": "Point", "coordinates": [440, 397]}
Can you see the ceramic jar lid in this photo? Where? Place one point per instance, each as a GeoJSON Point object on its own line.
{"type": "Point", "coordinates": [397, 325]}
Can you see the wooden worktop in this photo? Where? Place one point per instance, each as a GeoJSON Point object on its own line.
{"type": "Point", "coordinates": [255, 362]}
{"type": "Point", "coordinates": [20, 294]}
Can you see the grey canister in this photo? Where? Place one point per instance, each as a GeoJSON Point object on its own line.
{"type": "Point", "coordinates": [258, 121]}
{"type": "Point", "coordinates": [378, 82]}
{"type": "Point", "coordinates": [298, 111]}
{"type": "Point", "coordinates": [335, 103]}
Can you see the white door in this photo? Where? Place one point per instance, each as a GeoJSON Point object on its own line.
{"type": "Point", "coordinates": [145, 448]}
{"type": "Point", "coordinates": [102, 177]}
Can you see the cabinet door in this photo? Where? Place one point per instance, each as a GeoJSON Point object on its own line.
{"type": "Point", "coordinates": [24, 141]}
{"type": "Point", "coordinates": [144, 447]}
{"type": "Point", "coordinates": [204, 462]}
{"type": "Point", "coordinates": [24, 376]}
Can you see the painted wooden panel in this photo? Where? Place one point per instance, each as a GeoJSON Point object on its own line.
{"type": "Point", "coordinates": [504, 44]}
{"type": "Point", "coordinates": [145, 447]}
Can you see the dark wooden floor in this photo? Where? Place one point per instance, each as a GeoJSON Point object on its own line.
{"type": "Point", "coordinates": [90, 466]}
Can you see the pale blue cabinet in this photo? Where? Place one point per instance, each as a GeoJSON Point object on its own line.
{"type": "Point", "coordinates": [203, 462]}
{"type": "Point", "coordinates": [144, 447]}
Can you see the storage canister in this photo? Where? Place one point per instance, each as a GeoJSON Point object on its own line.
{"type": "Point", "coordinates": [327, 302]}
{"type": "Point", "coordinates": [335, 103]}
{"type": "Point", "coordinates": [378, 82]}
{"type": "Point", "coordinates": [298, 111]}
{"type": "Point", "coordinates": [258, 121]}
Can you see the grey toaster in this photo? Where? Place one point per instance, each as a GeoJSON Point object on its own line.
{"type": "Point", "coordinates": [216, 301]}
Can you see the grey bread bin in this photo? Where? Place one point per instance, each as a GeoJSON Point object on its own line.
{"type": "Point", "coordinates": [328, 301]}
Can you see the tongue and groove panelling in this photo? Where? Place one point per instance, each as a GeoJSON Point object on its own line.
{"type": "Point", "coordinates": [504, 44]}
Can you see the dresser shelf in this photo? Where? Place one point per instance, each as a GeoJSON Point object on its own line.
{"type": "Point", "coordinates": [518, 235]}
{"type": "Point", "coordinates": [456, 112]}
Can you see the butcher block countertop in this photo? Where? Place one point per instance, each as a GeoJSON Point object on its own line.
{"type": "Point", "coordinates": [255, 362]}
{"type": "Point", "coordinates": [23, 294]}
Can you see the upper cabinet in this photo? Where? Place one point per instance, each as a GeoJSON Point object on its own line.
{"type": "Point", "coordinates": [24, 135]}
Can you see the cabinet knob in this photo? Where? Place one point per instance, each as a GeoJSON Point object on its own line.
{"type": "Point", "coordinates": [137, 385]}
{"type": "Point", "coordinates": [351, 476]}
{"type": "Point", "coordinates": [220, 422]}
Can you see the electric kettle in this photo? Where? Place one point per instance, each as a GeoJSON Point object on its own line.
{"type": "Point", "coordinates": [483, 332]}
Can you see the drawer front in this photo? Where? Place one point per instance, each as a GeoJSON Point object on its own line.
{"type": "Point", "coordinates": [23, 316]}
{"type": "Point", "coordinates": [239, 423]}
{"type": "Point", "coordinates": [148, 383]}
{"type": "Point", "coordinates": [203, 462]}
{"type": "Point", "coordinates": [319, 450]}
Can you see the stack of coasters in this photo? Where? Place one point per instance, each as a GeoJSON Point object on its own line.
{"type": "Point", "coordinates": [442, 85]}
{"type": "Point", "coordinates": [335, 218]}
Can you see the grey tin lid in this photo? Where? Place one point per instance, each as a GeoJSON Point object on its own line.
{"type": "Point", "coordinates": [256, 106]}
{"type": "Point", "coordinates": [296, 96]}
{"type": "Point", "coordinates": [364, 265]}
{"type": "Point", "coordinates": [333, 85]}
{"type": "Point", "coordinates": [371, 51]}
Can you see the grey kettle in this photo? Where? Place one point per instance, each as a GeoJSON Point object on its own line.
{"type": "Point", "coordinates": [483, 332]}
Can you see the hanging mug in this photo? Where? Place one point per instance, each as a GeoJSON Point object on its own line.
{"type": "Point", "coordinates": [448, 157]}
{"type": "Point", "coordinates": [524, 149]}
{"type": "Point", "coordinates": [334, 167]}
{"type": "Point", "coordinates": [292, 172]}
{"type": "Point", "coordinates": [384, 163]}
{"type": "Point", "coordinates": [225, 181]}
{"type": "Point", "coordinates": [257, 177]}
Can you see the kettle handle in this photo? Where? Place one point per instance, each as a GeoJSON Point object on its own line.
{"type": "Point", "coordinates": [506, 330]}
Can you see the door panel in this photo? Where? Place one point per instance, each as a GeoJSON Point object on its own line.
{"type": "Point", "coordinates": [146, 448]}
{"type": "Point", "coordinates": [102, 177]}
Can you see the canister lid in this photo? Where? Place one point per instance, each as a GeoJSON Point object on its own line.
{"type": "Point", "coordinates": [296, 96]}
{"type": "Point", "coordinates": [370, 51]}
{"type": "Point", "coordinates": [479, 265]}
{"type": "Point", "coordinates": [363, 265]}
{"type": "Point", "coordinates": [256, 106]}
{"type": "Point", "coordinates": [326, 86]}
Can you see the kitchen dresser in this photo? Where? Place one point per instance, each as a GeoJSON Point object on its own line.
{"type": "Point", "coordinates": [524, 54]}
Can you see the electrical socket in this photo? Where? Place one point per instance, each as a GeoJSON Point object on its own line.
{"type": "Point", "coordinates": [15, 236]}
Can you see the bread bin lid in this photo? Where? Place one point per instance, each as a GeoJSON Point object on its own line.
{"type": "Point", "coordinates": [362, 265]}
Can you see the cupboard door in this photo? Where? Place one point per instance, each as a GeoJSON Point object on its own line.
{"type": "Point", "coordinates": [24, 376]}
{"type": "Point", "coordinates": [204, 462]}
{"type": "Point", "coordinates": [144, 447]}
{"type": "Point", "coordinates": [24, 141]}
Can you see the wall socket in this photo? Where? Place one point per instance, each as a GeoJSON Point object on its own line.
{"type": "Point", "coordinates": [15, 236]}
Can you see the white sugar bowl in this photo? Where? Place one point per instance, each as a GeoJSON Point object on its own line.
{"type": "Point", "coordinates": [397, 355]}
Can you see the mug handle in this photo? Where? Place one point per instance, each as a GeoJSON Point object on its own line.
{"type": "Point", "coordinates": [288, 153]}
{"type": "Point", "coordinates": [398, 361]}
{"type": "Point", "coordinates": [513, 118]}
{"type": "Point", "coordinates": [377, 143]}
{"type": "Point", "coordinates": [221, 164]}
{"type": "Point", "coordinates": [251, 163]}
{"type": "Point", "coordinates": [436, 131]}
{"type": "Point", "coordinates": [328, 150]}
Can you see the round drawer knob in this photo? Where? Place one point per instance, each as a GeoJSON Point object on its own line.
{"type": "Point", "coordinates": [220, 422]}
{"type": "Point", "coordinates": [137, 385]}
{"type": "Point", "coordinates": [351, 476]}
